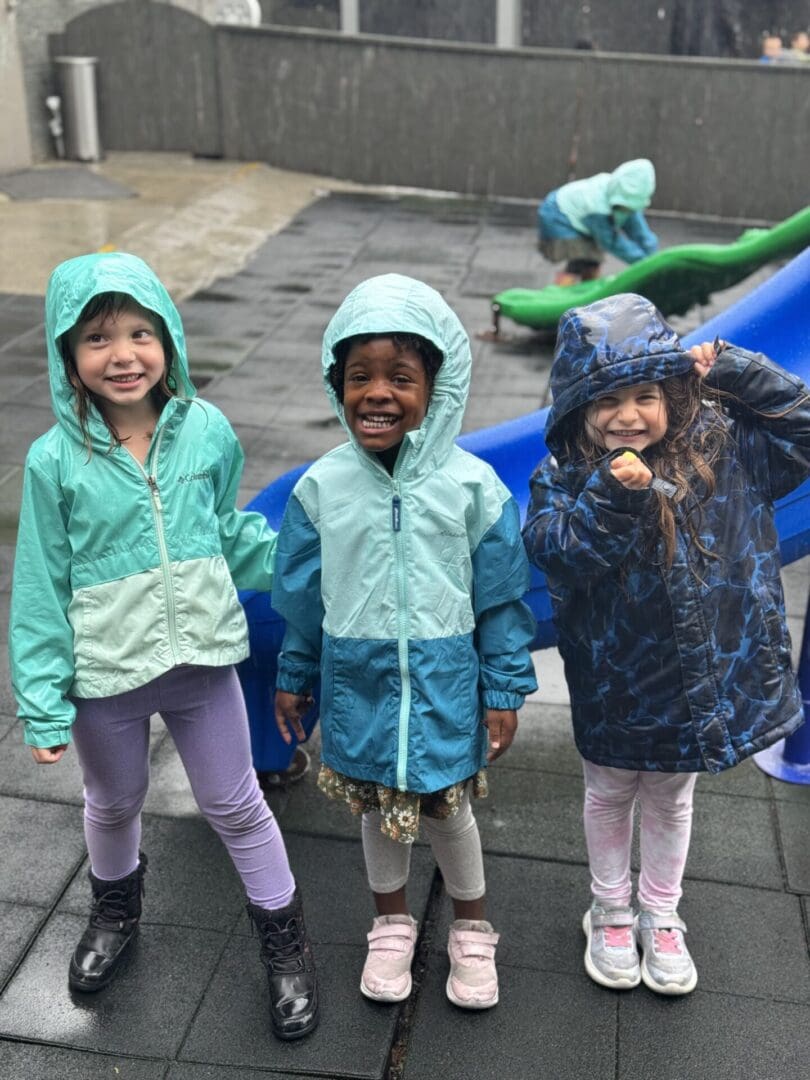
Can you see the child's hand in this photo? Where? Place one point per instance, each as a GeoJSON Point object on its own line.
{"type": "Point", "coordinates": [502, 725]}
{"type": "Point", "coordinates": [290, 711]}
{"type": "Point", "coordinates": [48, 755]}
{"type": "Point", "coordinates": [630, 470]}
{"type": "Point", "coordinates": [704, 356]}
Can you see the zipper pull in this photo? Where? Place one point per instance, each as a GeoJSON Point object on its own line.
{"type": "Point", "coordinates": [396, 513]}
{"type": "Point", "coordinates": [152, 482]}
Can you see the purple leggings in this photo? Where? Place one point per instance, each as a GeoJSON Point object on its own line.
{"type": "Point", "coordinates": [204, 711]}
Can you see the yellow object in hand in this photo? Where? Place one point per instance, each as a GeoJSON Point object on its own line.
{"type": "Point", "coordinates": [627, 458]}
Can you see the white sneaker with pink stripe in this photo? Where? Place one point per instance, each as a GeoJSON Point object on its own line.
{"type": "Point", "coordinates": [666, 966]}
{"type": "Point", "coordinates": [611, 952]}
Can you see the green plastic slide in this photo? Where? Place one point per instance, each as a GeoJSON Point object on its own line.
{"type": "Point", "coordinates": [673, 279]}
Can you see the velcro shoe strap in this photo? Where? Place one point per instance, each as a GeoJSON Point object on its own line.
{"type": "Point", "coordinates": [649, 921]}
{"type": "Point", "coordinates": [396, 937]}
{"type": "Point", "coordinates": [475, 943]}
{"type": "Point", "coordinates": [617, 917]}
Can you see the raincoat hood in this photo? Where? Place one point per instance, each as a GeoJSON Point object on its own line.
{"type": "Point", "coordinates": [617, 342]}
{"type": "Point", "coordinates": [71, 286]}
{"type": "Point", "coordinates": [632, 184]}
{"type": "Point", "coordinates": [392, 303]}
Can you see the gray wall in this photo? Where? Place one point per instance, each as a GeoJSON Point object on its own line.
{"type": "Point", "coordinates": [36, 20]}
{"type": "Point", "coordinates": [15, 145]}
{"type": "Point", "coordinates": [727, 137]}
{"type": "Point", "coordinates": [489, 121]}
{"type": "Point", "coordinates": [157, 75]}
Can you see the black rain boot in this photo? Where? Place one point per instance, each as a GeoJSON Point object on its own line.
{"type": "Point", "coordinates": [287, 955]}
{"type": "Point", "coordinates": [113, 921]}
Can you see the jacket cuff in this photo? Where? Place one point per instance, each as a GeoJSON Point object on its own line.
{"type": "Point", "coordinates": [44, 737]}
{"type": "Point", "coordinates": [296, 678]}
{"type": "Point", "coordinates": [621, 497]}
{"type": "Point", "coordinates": [502, 699]}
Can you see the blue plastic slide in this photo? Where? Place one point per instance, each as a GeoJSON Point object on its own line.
{"type": "Point", "coordinates": [772, 319]}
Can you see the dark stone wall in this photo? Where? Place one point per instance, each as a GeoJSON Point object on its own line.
{"type": "Point", "coordinates": [35, 21]}
{"type": "Point", "coordinates": [157, 78]}
{"type": "Point", "coordinates": [454, 117]}
{"type": "Point", "coordinates": [487, 121]}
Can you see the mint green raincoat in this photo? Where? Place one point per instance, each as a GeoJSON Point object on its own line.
{"type": "Point", "coordinates": [124, 570]}
{"type": "Point", "coordinates": [404, 592]}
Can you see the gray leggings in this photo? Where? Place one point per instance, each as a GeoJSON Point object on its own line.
{"type": "Point", "coordinates": [456, 847]}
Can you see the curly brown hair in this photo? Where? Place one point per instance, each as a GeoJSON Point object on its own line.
{"type": "Point", "coordinates": [694, 439]}
{"type": "Point", "coordinates": [113, 304]}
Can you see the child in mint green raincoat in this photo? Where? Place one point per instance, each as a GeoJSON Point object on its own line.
{"type": "Point", "coordinates": [581, 220]}
{"type": "Point", "coordinates": [400, 574]}
{"type": "Point", "coordinates": [124, 604]}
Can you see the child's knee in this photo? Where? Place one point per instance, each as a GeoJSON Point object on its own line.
{"type": "Point", "coordinates": [112, 815]}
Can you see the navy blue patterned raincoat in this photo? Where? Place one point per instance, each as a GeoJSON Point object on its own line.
{"type": "Point", "coordinates": [687, 667]}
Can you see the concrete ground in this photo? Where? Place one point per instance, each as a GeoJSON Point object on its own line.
{"type": "Point", "coordinates": [259, 261]}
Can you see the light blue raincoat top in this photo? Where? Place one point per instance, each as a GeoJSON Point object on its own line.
{"type": "Point", "coordinates": [404, 592]}
{"type": "Point", "coordinates": [124, 570]}
{"type": "Point", "coordinates": [588, 207]}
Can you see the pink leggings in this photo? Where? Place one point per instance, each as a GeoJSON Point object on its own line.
{"type": "Point", "coordinates": [665, 827]}
{"type": "Point", "coordinates": [204, 710]}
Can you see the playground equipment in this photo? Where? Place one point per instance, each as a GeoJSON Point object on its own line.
{"type": "Point", "coordinates": [772, 319]}
{"type": "Point", "coordinates": [674, 279]}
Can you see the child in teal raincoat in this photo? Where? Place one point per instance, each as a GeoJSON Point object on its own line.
{"type": "Point", "coordinates": [124, 604]}
{"type": "Point", "coordinates": [400, 574]}
{"type": "Point", "coordinates": [581, 220]}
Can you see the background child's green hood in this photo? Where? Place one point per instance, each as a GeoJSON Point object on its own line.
{"type": "Point", "coordinates": [75, 282]}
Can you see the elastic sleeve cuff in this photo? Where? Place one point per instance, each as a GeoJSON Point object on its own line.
{"type": "Point", "coordinates": [296, 678]}
{"type": "Point", "coordinates": [621, 497]}
{"type": "Point", "coordinates": [502, 699]}
{"type": "Point", "coordinates": [44, 738]}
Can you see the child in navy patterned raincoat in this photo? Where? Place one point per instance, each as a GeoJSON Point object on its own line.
{"type": "Point", "coordinates": [652, 518]}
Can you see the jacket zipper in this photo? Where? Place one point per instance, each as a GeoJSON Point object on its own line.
{"type": "Point", "coordinates": [402, 639]}
{"type": "Point", "coordinates": [165, 568]}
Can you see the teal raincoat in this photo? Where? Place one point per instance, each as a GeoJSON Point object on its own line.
{"type": "Point", "coordinates": [404, 591]}
{"type": "Point", "coordinates": [124, 570]}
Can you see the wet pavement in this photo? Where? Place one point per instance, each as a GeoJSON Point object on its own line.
{"type": "Point", "coordinates": [259, 260]}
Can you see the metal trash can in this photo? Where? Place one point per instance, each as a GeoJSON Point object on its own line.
{"type": "Point", "coordinates": [77, 82]}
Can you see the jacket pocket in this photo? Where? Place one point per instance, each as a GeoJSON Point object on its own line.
{"type": "Point", "coordinates": [360, 704]}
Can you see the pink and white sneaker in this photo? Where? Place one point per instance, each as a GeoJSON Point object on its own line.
{"type": "Point", "coordinates": [473, 979]}
{"type": "Point", "coordinates": [666, 966]}
{"type": "Point", "coordinates": [387, 970]}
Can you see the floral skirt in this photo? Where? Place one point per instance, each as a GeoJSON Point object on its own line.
{"type": "Point", "coordinates": [399, 810]}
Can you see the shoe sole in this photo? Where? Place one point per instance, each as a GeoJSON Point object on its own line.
{"type": "Point", "coordinates": [467, 1004]}
{"type": "Point", "coordinates": [386, 997]}
{"type": "Point", "coordinates": [291, 1036]}
{"type": "Point", "coordinates": [599, 977]}
{"type": "Point", "coordinates": [669, 989]}
{"type": "Point", "coordinates": [88, 987]}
